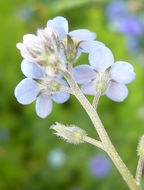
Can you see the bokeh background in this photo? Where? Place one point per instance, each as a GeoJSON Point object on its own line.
{"type": "Point", "coordinates": [31, 157]}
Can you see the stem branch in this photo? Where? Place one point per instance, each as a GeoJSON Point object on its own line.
{"type": "Point", "coordinates": [66, 89]}
{"type": "Point", "coordinates": [93, 142]}
{"type": "Point", "coordinates": [108, 146]}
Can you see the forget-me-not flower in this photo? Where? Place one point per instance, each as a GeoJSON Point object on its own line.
{"type": "Point", "coordinates": [74, 42]}
{"type": "Point", "coordinates": [40, 87]}
{"type": "Point", "coordinates": [104, 75]}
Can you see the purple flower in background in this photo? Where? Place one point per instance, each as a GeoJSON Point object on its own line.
{"type": "Point", "coordinates": [99, 166]}
{"type": "Point", "coordinates": [116, 9]}
{"type": "Point", "coordinates": [4, 134]}
{"type": "Point", "coordinates": [133, 44]}
{"type": "Point", "coordinates": [131, 26]}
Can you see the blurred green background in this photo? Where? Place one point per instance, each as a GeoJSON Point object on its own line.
{"type": "Point", "coordinates": [25, 139]}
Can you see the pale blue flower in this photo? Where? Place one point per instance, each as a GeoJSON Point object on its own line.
{"type": "Point", "coordinates": [105, 74]}
{"type": "Point", "coordinates": [60, 26]}
{"type": "Point", "coordinates": [29, 90]}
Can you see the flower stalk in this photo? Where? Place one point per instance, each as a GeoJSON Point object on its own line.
{"type": "Point", "coordinates": [94, 142]}
{"type": "Point", "coordinates": [139, 171]}
{"type": "Point", "coordinates": [108, 146]}
{"type": "Point", "coordinates": [96, 99]}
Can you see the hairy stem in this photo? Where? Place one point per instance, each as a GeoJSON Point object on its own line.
{"type": "Point", "coordinates": [70, 67]}
{"type": "Point", "coordinates": [139, 171]}
{"type": "Point", "coordinates": [93, 142]}
{"type": "Point", "coordinates": [108, 146]}
{"type": "Point", "coordinates": [66, 89]}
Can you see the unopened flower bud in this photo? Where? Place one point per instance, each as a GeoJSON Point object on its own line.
{"type": "Point", "coordinates": [141, 147]}
{"type": "Point", "coordinates": [71, 134]}
{"type": "Point", "coordinates": [70, 48]}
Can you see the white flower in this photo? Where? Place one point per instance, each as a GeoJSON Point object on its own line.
{"type": "Point", "coordinates": [74, 42]}
{"type": "Point", "coordinates": [40, 87]}
{"type": "Point", "coordinates": [104, 75]}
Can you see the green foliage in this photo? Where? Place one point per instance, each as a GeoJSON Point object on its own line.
{"type": "Point", "coordinates": [23, 156]}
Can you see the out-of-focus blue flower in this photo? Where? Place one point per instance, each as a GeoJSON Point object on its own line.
{"type": "Point", "coordinates": [131, 26]}
{"type": "Point", "coordinates": [56, 158]}
{"type": "Point", "coordinates": [99, 166]}
{"type": "Point", "coordinates": [115, 25]}
{"type": "Point", "coordinates": [43, 92]}
{"type": "Point", "coordinates": [133, 45]}
{"type": "Point", "coordinates": [141, 18]}
{"type": "Point", "coordinates": [4, 134]}
{"type": "Point", "coordinates": [25, 13]}
{"type": "Point", "coordinates": [104, 75]}
{"type": "Point", "coordinates": [116, 10]}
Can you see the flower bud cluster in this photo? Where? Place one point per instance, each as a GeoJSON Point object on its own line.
{"type": "Point", "coordinates": [53, 51]}
{"type": "Point", "coordinates": [43, 49]}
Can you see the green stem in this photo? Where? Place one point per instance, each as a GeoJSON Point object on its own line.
{"type": "Point", "coordinates": [108, 146]}
{"type": "Point", "coordinates": [139, 171]}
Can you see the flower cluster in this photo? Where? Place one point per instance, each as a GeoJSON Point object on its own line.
{"type": "Point", "coordinates": [122, 19]}
{"type": "Point", "coordinates": [50, 53]}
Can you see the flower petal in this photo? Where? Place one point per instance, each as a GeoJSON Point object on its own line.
{"type": "Point", "coordinates": [89, 88]}
{"type": "Point", "coordinates": [87, 46]}
{"type": "Point", "coordinates": [29, 38]}
{"type": "Point", "coordinates": [83, 74]}
{"type": "Point", "coordinates": [60, 26]}
{"type": "Point", "coordinates": [60, 97]}
{"type": "Point", "coordinates": [101, 58]}
{"type": "Point", "coordinates": [83, 34]}
{"type": "Point", "coordinates": [117, 92]}
{"type": "Point", "coordinates": [78, 53]}
{"type": "Point", "coordinates": [26, 91]}
{"type": "Point", "coordinates": [43, 105]}
{"type": "Point", "coordinates": [62, 82]}
{"type": "Point", "coordinates": [122, 72]}
{"type": "Point", "coordinates": [31, 70]}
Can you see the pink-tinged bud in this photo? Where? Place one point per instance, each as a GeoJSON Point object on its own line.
{"type": "Point", "coordinates": [43, 48]}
